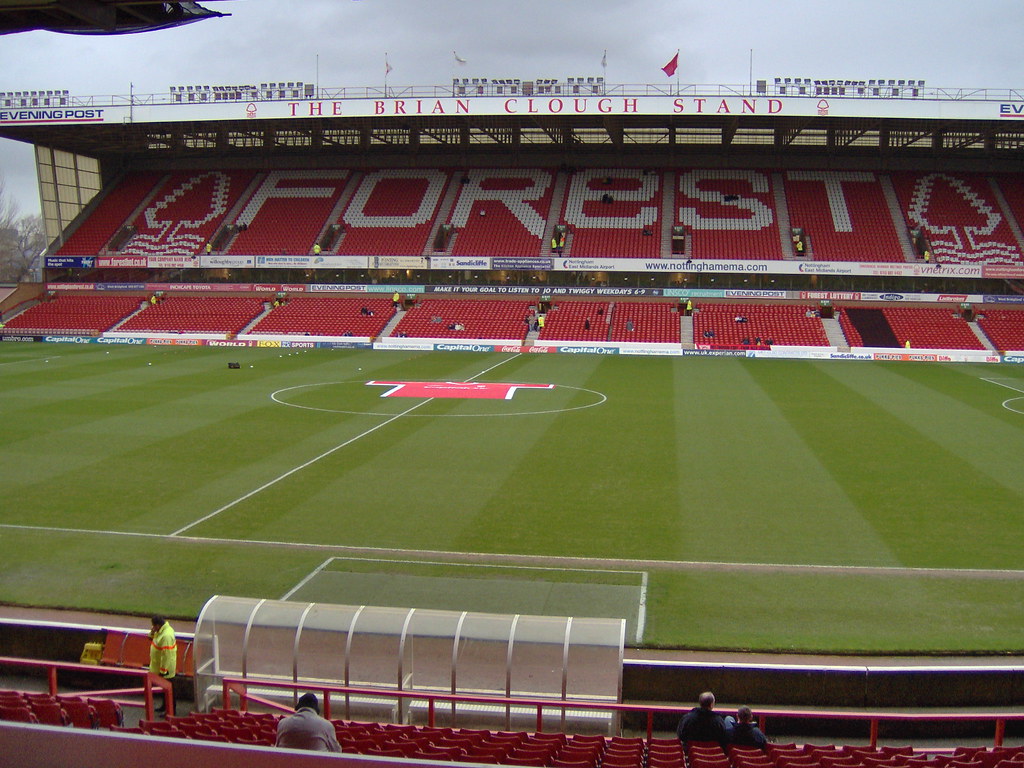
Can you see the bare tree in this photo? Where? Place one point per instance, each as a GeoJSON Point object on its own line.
{"type": "Point", "coordinates": [21, 240]}
{"type": "Point", "coordinates": [28, 242]}
{"type": "Point", "coordinates": [8, 207]}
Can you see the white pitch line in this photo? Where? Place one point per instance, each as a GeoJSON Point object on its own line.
{"type": "Point", "coordinates": [309, 577]}
{"type": "Point", "coordinates": [33, 360]}
{"type": "Point", "coordinates": [486, 565]}
{"type": "Point", "coordinates": [323, 455]}
{"type": "Point", "coordinates": [641, 610]}
{"type": "Point", "coordinates": [1006, 403]}
{"type": "Point", "coordinates": [641, 613]}
{"type": "Point", "coordinates": [1000, 384]}
{"type": "Point", "coordinates": [543, 560]}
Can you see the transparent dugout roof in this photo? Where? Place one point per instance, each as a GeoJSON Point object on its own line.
{"type": "Point", "coordinates": [511, 655]}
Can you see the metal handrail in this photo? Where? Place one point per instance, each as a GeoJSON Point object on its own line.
{"type": "Point", "coordinates": [149, 681]}
{"type": "Point", "coordinates": [239, 687]}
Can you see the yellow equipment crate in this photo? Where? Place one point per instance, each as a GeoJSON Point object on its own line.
{"type": "Point", "coordinates": [92, 653]}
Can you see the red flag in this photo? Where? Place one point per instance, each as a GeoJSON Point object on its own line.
{"type": "Point", "coordinates": [670, 68]}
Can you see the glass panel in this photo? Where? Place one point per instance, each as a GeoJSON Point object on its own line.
{"type": "Point", "coordinates": [375, 639]}
{"type": "Point", "coordinates": [374, 662]}
{"type": "Point", "coordinates": [44, 172]}
{"type": "Point", "coordinates": [323, 642]}
{"type": "Point", "coordinates": [595, 658]}
{"type": "Point", "coordinates": [218, 645]}
{"type": "Point", "coordinates": [537, 655]}
{"type": "Point", "coordinates": [482, 658]}
{"type": "Point", "coordinates": [271, 648]}
{"type": "Point", "coordinates": [63, 159]}
{"type": "Point", "coordinates": [68, 211]}
{"type": "Point", "coordinates": [428, 650]}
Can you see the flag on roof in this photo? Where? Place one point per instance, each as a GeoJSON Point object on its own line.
{"type": "Point", "coordinates": [604, 59]}
{"type": "Point", "coordinates": [670, 68]}
{"type": "Point", "coordinates": [387, 66]}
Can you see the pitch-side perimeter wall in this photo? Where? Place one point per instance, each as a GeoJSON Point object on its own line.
{"type": "Point", "coordinates": [514, 346]}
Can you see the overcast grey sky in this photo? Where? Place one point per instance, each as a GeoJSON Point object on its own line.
{"type": "Point", "coordinates": [948, 43]}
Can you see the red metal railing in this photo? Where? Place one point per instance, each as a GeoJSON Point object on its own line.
{"type": "Point", "coordinates": [239, 687]}
{"type": "Point", "coordinates": [149, 682]}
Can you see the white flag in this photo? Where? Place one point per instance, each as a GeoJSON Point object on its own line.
{"type": "Point", "coordinates": [387, 66]}
{"type": "Point", "coordinates": [604, 59]}
{"type": "Point", "coordinates": [458, 59]}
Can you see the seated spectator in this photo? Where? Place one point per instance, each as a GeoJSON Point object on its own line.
{"type": "Point", "coordinates": [740, 319]}
{"type": "Point", "coordinates": [702, 723]}
{"type": "Point", "coordinates": [745, 732]}
{"type": "Point", "coordinates": [306, 729]}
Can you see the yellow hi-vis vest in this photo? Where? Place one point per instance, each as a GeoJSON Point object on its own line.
{"type": "Point", "coordinates": [163, 652]}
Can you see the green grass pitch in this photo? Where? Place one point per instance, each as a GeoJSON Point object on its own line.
{"type": "Point", "coordinates": [770, 505]}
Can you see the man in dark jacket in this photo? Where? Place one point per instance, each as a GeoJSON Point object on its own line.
{"type": "Point", "coordinates": [702, 723]}
{"type": "Point", "coordinates": [746, 733]}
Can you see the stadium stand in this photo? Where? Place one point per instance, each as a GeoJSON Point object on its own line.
{"type": "Point", "coordinates": [501, 212]}
{"type": "Point", "coordinates": [960, 217]}
{"type": "Point", "coordinates": [287, 211]}
{"type": "Point", "coordinates": [645, 322]}
{"type": "Point", "coordinates": [867, 327]}
{"type": "Point", "coordinates": [327, 316]}
{"type": "Point", "coordinates": [70, 313]}
{"type": "Point", "coordinates": [729, 213]}
{"type": "Point", "coordinates": [566, 321]}
{"type": "Point", "coordinates": [552, 749]}
{"type": "Point", "coordinates": [843, 214]}
{"type": "Point", "coordinates": [607, 212]}
{"type": "Point", "coordinates": [923, 327]}
{"type": "Point", "coordinates": [391, 212]}
{"type": "Point", "coordinates": [785, 325]}
{"type": "Point", "coordinates": [196, 314]}
{"type": "Point", "coordinates": [109, 215]}
{"type": "Point", "coordinates": [1011, 186]}
{"type": "Point", "coordinates": [185, 212]}
{"type": "Point", "coordinates": [47, 709]}
{"type": "Point", "coordinates": [1004, 328]}
{"type": "Point", "coordinates": [434, 318]}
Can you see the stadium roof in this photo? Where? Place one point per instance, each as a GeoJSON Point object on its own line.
{"type": "Point", "coordinates": [98, 17]}
{"type": "Point", "coordinates": [542, 136]}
